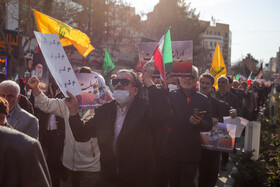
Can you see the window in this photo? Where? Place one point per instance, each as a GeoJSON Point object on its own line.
{"type": "Point", "coordinates": [225, 34]}
{"type": "Point", "coordinates": [219, 33]}
{"type": "Point", "coordinates": [210, 43]}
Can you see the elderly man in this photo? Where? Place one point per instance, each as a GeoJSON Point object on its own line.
{"type": "Point", "coordinates": [182, 144]}
{"type": "Point", "coordinates": [18, 118]}
{"type": "Point", "coordinates": [124, 128]}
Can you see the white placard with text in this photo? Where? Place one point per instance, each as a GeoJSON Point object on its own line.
{"type": "Point", "coordinates": [58, 63]}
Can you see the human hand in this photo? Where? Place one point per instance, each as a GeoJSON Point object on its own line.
{"type": "Point", "coordinates": [33, 83]}
{"type": "Point", "coordinates": [148, 70]}
{"type": "Point", "coordinates": [195, 120]}
{"type": "Point", "coordinates": [233, 113]}
{"type": "Point", "coordinates": [214, 121]}
{"type": "Point", "coordinates": [72, 104]}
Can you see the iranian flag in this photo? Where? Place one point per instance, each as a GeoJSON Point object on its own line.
{"type": "Point", "coordinates": [250, 78]}
{"type": "Point", "coordinates": [163, 55]}
{"type": "Point", "coordinates": [236, 77]}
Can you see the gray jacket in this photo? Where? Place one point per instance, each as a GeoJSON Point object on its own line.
{"type": "Point", "coordinates": [24, 122]}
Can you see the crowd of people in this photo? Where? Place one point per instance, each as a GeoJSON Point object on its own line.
{"type": "Point", "coordinates": [149, 135]}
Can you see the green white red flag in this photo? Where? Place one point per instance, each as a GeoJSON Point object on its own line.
{"type": "Point", "coordinates": [250, 78]}
{"type": "Point", "coordinates": [236, 77]}
{"type": "Point", "coordinates": [163, 55]}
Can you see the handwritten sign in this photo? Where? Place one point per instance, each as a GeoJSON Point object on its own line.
{"type": "Point", "coordinates": [182, 53]}
{"type": "Point", "coordinates": [95, 92]}
{"type": "Point", "coordinates": [220, 138]}
{"type": "Point", "coordinates": [58, 63]}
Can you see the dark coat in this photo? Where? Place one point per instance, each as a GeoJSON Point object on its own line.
{"type": "Point", "coordinates": [215, 105]}
{"type": "Point", "coordinates": [133, 159]}
{"type": "Point", "coordinates": [25, 104]}
{"type": "Point", "coordinates": [231, 99]}
{"type": "Point", "coordinates": [22, 160]}
{"type": "Point", "coordinates": [182, 139]}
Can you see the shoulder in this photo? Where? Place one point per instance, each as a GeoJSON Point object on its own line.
{"type": "Point", "coordinates": [106, 106]}
{"type": "Point", "coordinates": [215, 100]}
{"type": "Point", "coordinates": [23, 113]}
{"type": "Point", "coordinates": [200, 96]}
{"type": "Point", "coordinates": [224, 104]}
{"type": "Point", "coordinates": [11, 138]}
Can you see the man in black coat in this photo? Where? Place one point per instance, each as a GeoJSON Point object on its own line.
{"type": "Point", "coordinates": [233, 101]}
{"type": "Point", "coordinates": [182, 143]}
{"type": "Point", "coordinates": [209, 164]}
{"type": "Point", "coordinates": [123, 128]}
{"type": "Point", "coordinates": [22, 160]}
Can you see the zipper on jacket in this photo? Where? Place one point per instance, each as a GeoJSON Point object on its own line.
{"type": "Point", "coordinates": [73, 155]}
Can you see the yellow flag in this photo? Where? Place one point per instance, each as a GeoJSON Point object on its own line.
{"type": "Point", "coordinates": [218, 67]}
{"type": "Point", "coordinates": [67, 35]}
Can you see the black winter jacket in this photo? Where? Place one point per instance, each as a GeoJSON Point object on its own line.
{"type": "Point", "coordinates": [182, 140]}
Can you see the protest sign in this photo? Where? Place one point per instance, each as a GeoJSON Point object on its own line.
{"type": "Point", "coordinates": [220, 138]}
{"type": "Point", "coordinates": [239, 122]}
{"type": "Point", "coordinates": [95, 92]}
{"type": "Point", "coordinates": [182, 53]}
{"type": "Point", "coordinates": [58, 63]}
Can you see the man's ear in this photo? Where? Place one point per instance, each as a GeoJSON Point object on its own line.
{"type": "Point", "coordinates": [18, 98]}
{"type": "Point", "coordinates": [136, 90]}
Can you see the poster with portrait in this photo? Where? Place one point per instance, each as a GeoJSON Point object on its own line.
{"type": "Point", "coordinates": [220, 138]}
{"type": "Point", "coordinates": [94, 91]}
{"type": "Point", "coordinates": [182, 53]}
{"type": "Point", "coordinates": [38, 68]}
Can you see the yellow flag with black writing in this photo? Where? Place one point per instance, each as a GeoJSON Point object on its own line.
{"type": "Point", "coordinates": [218, 67]}
{"type": "Point", "coordinates": [67, 35]}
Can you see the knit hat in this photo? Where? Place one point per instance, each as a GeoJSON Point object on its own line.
{"type": "Point", "coordinates": [4, 106]}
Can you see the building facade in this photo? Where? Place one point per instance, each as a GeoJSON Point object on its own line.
{"type": "Point", "coordinates": [214, 34]}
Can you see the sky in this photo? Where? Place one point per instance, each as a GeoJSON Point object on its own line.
{"type": "Point", "coordinates": [255, 24]}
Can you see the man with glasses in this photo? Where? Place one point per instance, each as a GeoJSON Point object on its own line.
{"type": "Point", "coordinates": [182, 142]}
{"type": "Point", "coordinates": [124, 128]}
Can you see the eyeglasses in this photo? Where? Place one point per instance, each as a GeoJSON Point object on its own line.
{"type": "Point", "coordinates": [124, 82]}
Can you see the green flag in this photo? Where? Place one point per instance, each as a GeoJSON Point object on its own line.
{"type": "Point", "coordinates": [236, 77]}
{"type": "Point", "coordinates": [108, 64]}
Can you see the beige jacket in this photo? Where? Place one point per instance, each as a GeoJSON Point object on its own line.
{"type": "Point", "coordinates": [77, 156]}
